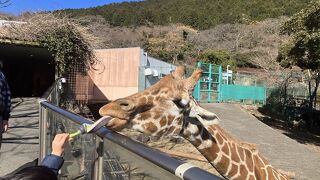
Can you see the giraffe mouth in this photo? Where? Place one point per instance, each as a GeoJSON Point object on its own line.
{"type": "Point", "coordinates": [117, 124]}
{"type": "Point", "coordinates": [120, 118]}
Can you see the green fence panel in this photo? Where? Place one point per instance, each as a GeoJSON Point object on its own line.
{"type": "Point", "coordinates": [208, 87]}
{"type": "Point", "coordinates": [238, 93]}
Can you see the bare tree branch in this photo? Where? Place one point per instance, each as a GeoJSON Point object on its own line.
{"type": "Point", "coordinates": [4, 3]}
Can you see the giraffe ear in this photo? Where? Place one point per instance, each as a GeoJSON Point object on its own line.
{"type": "Point", "coordinates": [179, 72]}
{"type": "Point", "coordinates": [192, 80]}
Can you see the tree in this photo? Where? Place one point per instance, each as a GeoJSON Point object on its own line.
{"type": "Point", "coordinates": [222, 57]}
{"type": "Point", "coordinates": [303, 49]}
{"type": "Point", "coordinates": [173, 45]}
{"type": "Point", "coordinates": [199, 14]}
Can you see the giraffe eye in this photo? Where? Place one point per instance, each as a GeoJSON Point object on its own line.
{"type": "Point", "coordinates": [124, 104]}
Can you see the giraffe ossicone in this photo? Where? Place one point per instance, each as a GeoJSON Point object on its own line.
{"type": "Point", "coordinates": [168, 108]}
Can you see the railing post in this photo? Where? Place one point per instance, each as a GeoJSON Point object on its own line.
{"type": "Point", "coordinates": [42, 131]}
{"type": "Point", "coordinates": [98, 166]}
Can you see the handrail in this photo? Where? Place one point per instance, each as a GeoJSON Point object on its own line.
{"type": "Point", "coordinates": [49, 90]}
{"type": "Point", "coordinates": [53, 93]}
{"type": "Point", "coordinates": [180, 168]}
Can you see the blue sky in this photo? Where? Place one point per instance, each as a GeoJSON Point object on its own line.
{"type": "Point", "coordinates": [19, 6]}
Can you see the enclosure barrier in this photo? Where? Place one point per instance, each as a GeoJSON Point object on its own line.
{"type": "Point", "coordinates": [105, 154]}
{"type": "Point", "coordinates": [208, 87]}
{"type": "Point", "coordinates": [231, 92]}
{"type": "Point", "coordinates": [212, 88]}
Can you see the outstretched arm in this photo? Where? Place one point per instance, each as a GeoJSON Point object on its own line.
{"type": "Point", "coordinates": [54, 161]}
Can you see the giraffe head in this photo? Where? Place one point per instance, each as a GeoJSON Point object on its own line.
{"type": "Point", "coordinates": [157, 110]}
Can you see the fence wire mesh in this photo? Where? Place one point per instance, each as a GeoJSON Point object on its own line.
{"type": "Point", "coordinates": [78, 84]}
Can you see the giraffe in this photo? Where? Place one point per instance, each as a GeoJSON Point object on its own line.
{"type": "Point", "coordinates": [167, 108]}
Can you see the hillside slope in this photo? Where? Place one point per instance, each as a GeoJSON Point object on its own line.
{"type": "Point", "coordinates": [254, 44]}
{"type": "Point", "coordinates": [199, 14]}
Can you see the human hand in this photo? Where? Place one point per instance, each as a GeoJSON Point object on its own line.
{"type": "Point", "coordinates": [58, 143]}
{"type": "Point", "coordinates": [5, 124]}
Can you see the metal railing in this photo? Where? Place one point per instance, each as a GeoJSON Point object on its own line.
{"type": "Point", "coordinates": [105, 154]}
{"type": "Point", "coordinates": [52, 95]}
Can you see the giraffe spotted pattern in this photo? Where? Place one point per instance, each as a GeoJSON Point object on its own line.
{"type": "Point", "coordinates": [167, 108]}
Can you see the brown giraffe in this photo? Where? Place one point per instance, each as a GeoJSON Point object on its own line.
{"type": "Point", "coordinates": [167, 108]}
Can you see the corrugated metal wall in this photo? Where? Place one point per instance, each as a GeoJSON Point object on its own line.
{"type": "Point", "coordinates": [158, 67]}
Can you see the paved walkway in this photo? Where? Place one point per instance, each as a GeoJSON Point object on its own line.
{"type": "Point", "coordinates": [281, 151]}
{"type": "Point", "coordinates": [21, 143]}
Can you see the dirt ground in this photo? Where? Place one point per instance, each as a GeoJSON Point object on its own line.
{"type": "Point", "coordinates": [309, 138]}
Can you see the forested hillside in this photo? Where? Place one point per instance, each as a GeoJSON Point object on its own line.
{"type": "Point", "coordinates": [239, 33]}
{"type": "Point", "coordinates": [239, 45]}
{"type": "Point", "coordinates": [199, 14]}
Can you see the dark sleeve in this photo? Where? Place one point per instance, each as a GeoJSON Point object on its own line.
{"type": "Point", "coordinates": [6, 93]}
{"type": "Point", "coordinates": [53, 162]}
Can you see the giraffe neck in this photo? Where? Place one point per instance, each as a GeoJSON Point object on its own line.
{"type": "Point", "coordinates": [230, 157]}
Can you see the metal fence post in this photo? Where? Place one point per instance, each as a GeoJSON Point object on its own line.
{"type": "Point", "coordinates": [219, 84]}
{"type": "Point", "coordinates": [265, 96]}
{"type": "Point", "coordinates": [209, 83]}
{"type": "Point", "coordinates": [42, 131]}
{"type": "Point", "coordinates": [196, 91]}
{"type": "Point", "coordinates": [98, 166]}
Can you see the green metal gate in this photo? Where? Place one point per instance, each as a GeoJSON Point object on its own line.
{"type": "Point", "coordinates": [209, 86]}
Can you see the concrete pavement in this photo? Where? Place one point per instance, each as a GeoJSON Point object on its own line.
{"type": "Point", "coordinates": [21, 143]}
{"type": "Point", "coordinates": [281, 151]}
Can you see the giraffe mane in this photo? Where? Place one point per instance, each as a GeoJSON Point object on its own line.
{"type": "Point", "coordinates": [208, 124]}
{"type": "Point", "coordinates": [243, 144]}
{"type": "Point", "coordinates": [288, 174]}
